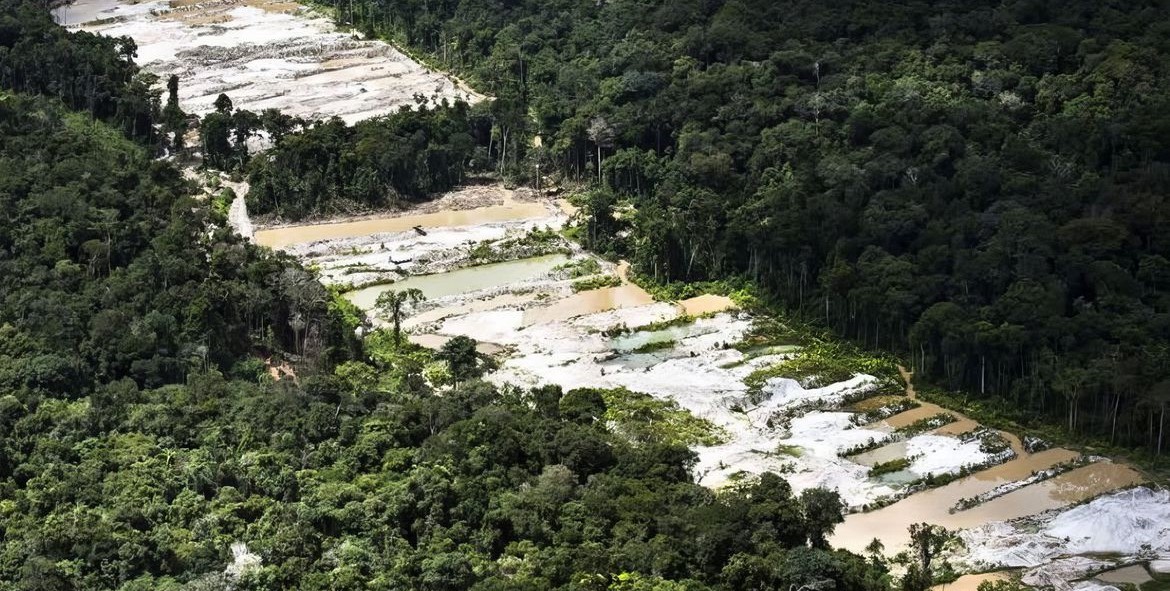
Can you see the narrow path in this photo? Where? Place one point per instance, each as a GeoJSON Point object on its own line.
{"type": "Point", "coordinates": [908, 377]}
{"type": "Point", "coordinates": [962, 424]}
{"type": "Point", "coordinates": [623, 271]}
{"type": "Point", "coordinates": [238, 213]}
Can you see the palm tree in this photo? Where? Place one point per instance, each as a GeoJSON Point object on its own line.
{"type": "Point", "coordinates": [390, 303]}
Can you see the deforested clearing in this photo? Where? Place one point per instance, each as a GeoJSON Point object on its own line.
{"type": "Point", "coordinates": [265, 54]}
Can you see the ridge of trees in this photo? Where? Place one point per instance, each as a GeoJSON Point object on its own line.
{"type": "Point", "coordinates": [386, 161]}
{"type": "Point", "coordinates": [979, 185]}
{"type": "Point", "coordinates": [141, 441]}
{"type": "Point", "coordinates": [114, 274]}
{"type": "Point", "coordinates": [144, 446]}
{"type": "Point", "coordinates": [328, 167]}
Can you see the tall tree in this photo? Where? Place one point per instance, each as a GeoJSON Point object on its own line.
{"type": "Point", "coordinates": [391, 304]}
{"type": "Point", "coordinates": [463, 360]}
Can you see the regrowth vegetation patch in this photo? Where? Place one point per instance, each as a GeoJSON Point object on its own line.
{"type": "Point", "coordinates": [646, 419]}
{"type": "Point", "coordinates": [741, 291]}
{"type": "Point", "coordinates": [926, 424]}
{"type": "Point", "coordinates": [887, 406]}
{"type": "Point", "coordinates": [533, 243]}
{"type": "Point", "coordinates": [577, 268]}
{"type": "Point", "coordinates": [655, 346]}
{"type": "Point", "coordinates": [596, 282]}
{"type": "Point", "coordinates": [895, 465]}
{"type": "Point", "coordinates": [821, 363]}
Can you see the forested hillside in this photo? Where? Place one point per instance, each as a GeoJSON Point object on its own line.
{"type": "Point", "coordinates": [89, 73]}
{"type": "Point", "coordinates": [112, 272]}
{"type": "Point", "coordinates": [141, 442]}
{"type": "Point", "coordinates": [979, 185]}
{"type": "Point", "coordinates": [143, 445]}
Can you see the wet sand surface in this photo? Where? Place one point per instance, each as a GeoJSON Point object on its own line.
{"type": "Point", "coordinates": [889, 524]}
{"type": "Point", "coordinates": [281, 237]}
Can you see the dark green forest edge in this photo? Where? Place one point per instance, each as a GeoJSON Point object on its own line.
{"type": "Point", "coordinates": [141, 438]}
{"type": "Point", "coordinates": [979, 186]}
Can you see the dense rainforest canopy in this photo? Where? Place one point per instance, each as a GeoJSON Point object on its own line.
{"type": "Point", "coordinates": [143, 445]}
{"type": "Point", "coordinates": [330, 167]}
{"type": "Point", "coordinates": [978, 184]}
{"type": "Point", "coordinates": [87, 72]}
{"type": "Point", "coordinates": [140, 438]}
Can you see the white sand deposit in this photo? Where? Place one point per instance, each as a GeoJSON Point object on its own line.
{"type": "Point", "coordinates": [265, 54]}
{"type": "Point", "coordinates": [1119, 527]}
{"type": "Point", "coordinates": [940, 454]}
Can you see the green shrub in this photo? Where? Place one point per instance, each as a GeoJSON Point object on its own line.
{"type": "Point", "coordinates": [596, 282]}
{"type": "Point", "coordinates": [889, 467]}
{"type": "Point", "coordinates": [655, 346]}
{"type": "Point", "coordinates": [927, 424]}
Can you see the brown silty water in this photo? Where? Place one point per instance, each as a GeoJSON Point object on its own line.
{"type": "Point", "coordinates": [889, 524]}
{"type": "Point", "coordinates": [1135, 574]}
{"type": "Point", "coordinates": [626, 295]}
{"type": "Point", "coordinates": [706, 304]}
{"type": "Point", "coordinates": [907, 418]}
{"type": "Point", "coordinates": [588, 302]}
{"type": "Point", "coordinates": [508, 211]}
{"type": "Point", "coordinates": [885, 453]}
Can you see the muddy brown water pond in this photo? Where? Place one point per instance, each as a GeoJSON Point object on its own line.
{"type": "Point", "coordinates": [960, 424]}
{"type": "Point", "coordinates": [889, 524]}
{"type": "Point", "coordinates": [907, 418]}
{"type": "Point", "coordinates": [509, 211]}
{"type": "Point", "coordinates": [626, 295]}
{"type": "Point", "coordinates": [959, 427]}
{"type": "Point", "coordinates": [706, 304]}
{"type": "Point", "coordinates": [885, 453]}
